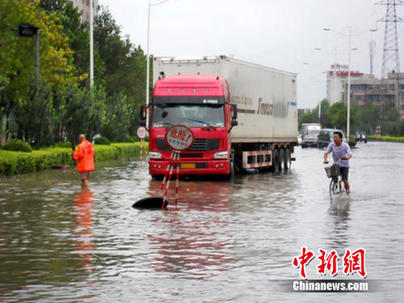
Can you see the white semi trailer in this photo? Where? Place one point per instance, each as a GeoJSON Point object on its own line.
{"type": "Point", "coordinates": [265, 99]}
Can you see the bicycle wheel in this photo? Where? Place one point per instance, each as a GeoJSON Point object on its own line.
{"type": "Point", "coordinates": [340, 187]}
{"type": "Point", "coordinates": [332, 187]}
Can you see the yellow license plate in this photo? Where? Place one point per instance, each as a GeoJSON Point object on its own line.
{"type": "Point", "coordinates": [188, 165]}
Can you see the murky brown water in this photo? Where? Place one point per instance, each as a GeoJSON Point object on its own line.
{"type": "Point", "coordinates": [225, 242]}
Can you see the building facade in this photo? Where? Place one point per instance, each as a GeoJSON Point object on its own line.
{"type": "Point", "coordinates": [84, 8]}
{"type": "Point", "coordinates": [337, 78]}
{"type": "Point", "coordinates": [378, 91]}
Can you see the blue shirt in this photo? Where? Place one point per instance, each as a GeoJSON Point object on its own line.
{"type": "Point", "coordinates": [339, 151]}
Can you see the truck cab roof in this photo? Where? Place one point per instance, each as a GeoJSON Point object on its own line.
{"type": "Point", "coordinates": [190, 85]}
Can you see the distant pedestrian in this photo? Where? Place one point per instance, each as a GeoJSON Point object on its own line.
{"type": "Point", "coordinates": [85, 160]}
{"type": "Point", "coordinates": [341, 153]}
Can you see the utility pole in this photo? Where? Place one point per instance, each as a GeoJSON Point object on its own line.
{"type": "Point", "coordinates": [348, 122]}
{"type": "Point", "coordinates": [91, 46]}
{"type": "Point", "coordinates": [372, 46]}
{"type": "Point", "coordinates": [148, 66]}
{"type": "Point", "coordinates": [148, 58]}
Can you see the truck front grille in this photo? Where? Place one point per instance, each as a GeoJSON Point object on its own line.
{"type": "Point", "coordinates": [198, 145]}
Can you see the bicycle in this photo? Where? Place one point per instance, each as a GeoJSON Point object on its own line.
{"type": "Point", "coordinates": [333, 171]}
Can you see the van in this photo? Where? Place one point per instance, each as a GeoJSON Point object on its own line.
{"type": "Point", "coordinates": [325, 136]}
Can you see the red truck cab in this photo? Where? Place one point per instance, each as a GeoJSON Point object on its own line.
{"type": "Point", "coordinates": [201, 102]}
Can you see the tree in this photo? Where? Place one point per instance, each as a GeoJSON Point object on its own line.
{"type": "Point", "coordinates": [337, 114]}
{"type": "Point", "coordinates": [36, 117]}
{"type": "Point", "coordinates": [325, 120]}
{"type": "Point", "coordinates": [77, 33]}
{"type": "Point", "coordinates": [17, 54]}
{"type": "Point", "coordinates": [308, 117]}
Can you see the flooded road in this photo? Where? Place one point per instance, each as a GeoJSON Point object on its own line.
{"type": "Point", "coordinates": [225, 242]}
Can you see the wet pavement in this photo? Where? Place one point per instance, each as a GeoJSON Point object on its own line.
{"type": "Point", "coordinates": [228, 241]}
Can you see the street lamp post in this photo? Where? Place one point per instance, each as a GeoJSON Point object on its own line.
{"type": "Point", "coordinates": [348, 124]}
{"type": "Point", "coordinates": [91, 46]}
{"type": "Point", "coordinates": [148, 58]}
{"type": "Point", "coordinates": [148, 65]}
{"type": "Point", "coordinates": [350, 49]}
{"type": "Point", "coordinates": [348, 114]}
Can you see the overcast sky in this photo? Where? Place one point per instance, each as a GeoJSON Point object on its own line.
{"type": "Point", "coordinates": [281, 34]}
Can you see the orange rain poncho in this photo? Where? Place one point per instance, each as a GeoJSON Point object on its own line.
{"type": "Point", "coordinates": [84, 156]}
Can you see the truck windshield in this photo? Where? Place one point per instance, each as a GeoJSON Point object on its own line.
{"type": "Point", "coordinates": [191, 115]}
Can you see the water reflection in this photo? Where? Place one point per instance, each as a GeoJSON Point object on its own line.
{"type": "Point", "coordinates": [211, 196]}
{"type": "Point", "coordinates": [83, 235]}
{"type": "Point", "coordinates": [339, 221]}
{"type": "Point", "coordinates": [193, 246]}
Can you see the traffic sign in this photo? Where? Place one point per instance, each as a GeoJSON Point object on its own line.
{"type": "Point", "coordinates": [179, 137]}
{"type": "Point", "coordinates": [141, 132]}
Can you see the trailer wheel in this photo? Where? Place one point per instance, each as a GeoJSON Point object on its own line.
{"type": "Point", "coordinates": [287, 160]}
{"type": "Point", "coordinates": [276, 161]}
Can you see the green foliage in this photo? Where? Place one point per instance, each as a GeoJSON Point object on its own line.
{"type": "Point", "coordinates": [128, 139]}
{"type": "Point", "coordinates": [63, 107]}
{"type": "Point", "coordinates": [35, 116]}
{"type": "Point", "coordinates": [117, 118]}
{"type": "Point", "coordinates": [338, 115]}
{"type": "Point", "coordinates": [387, 138]}
{"type": "Point", "coordinates": [124, 74]}
{"type": "Point", "coordinates": [66, 144]}
{"type": "Point", "coordinates": [17, 145]}
{"type": "Point", "coordinates": [17, 163]}
{"type": "Point", "coordinates": [309, 117]}
{"type": "Point", "coordinates": [102, 141]}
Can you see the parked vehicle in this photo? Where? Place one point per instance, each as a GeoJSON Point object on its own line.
{"type": "Point", "coordinates": [299, 139]}
{"type": "Point", "coordinates": [325, 136]}
{"type": "Point", "coordinates": [310, 133]}
{"type": "Point", "coordinates": [241, 114]}
{"type": "Point", "coordinates": [306, 128]}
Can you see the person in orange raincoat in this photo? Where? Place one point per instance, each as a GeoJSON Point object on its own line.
{"type": "Point", "coordinates": [85, 160]}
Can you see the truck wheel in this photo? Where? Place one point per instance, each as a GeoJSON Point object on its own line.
{"type": "Point", "coordinates": [157, 177]}
{"type": "Point", "coordinates": [281, 158]}
{"type": "Point", "coordinates": [276, 161]}
{"type": "Point", "coordinates": [231, 172]}
{"type": "Point", "coordinates": [287, 161]}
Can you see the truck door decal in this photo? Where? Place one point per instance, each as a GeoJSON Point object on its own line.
{"type": "Point", "coordinates": [264, 108]}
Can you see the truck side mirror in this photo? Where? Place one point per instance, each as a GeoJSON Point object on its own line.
{"type": "Point", "coordinates": [234, 121]}
{"type": "Point", "coordinates": [234, 112]}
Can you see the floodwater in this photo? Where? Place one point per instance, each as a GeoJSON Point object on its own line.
{"type": "Point", "coordinates": [228, 241]}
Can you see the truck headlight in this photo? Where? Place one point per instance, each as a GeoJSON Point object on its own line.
{"type": "Point", "coordinates": [155, 155]}
{"type": "Point", "coordinates": [221, 155]}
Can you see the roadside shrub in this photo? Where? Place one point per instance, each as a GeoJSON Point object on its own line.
{"type": "Point", "coordinates": [17, 145]}
{"type": "Point", "coordinates": [352, 141]}
{"type": "Point", "coordinates": [66, 144]}
{"type": "Point", "coordinates": [102, 141]}
{"type": "Point", "coordinates": [387, 138]}
{"type": "Point", "coordinates": [12, 162]}
{"type": "Point", "coordinates": [128, 139]}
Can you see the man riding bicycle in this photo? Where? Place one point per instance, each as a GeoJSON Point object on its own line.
{"type": "Point", "coordinates": [341, 153]}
